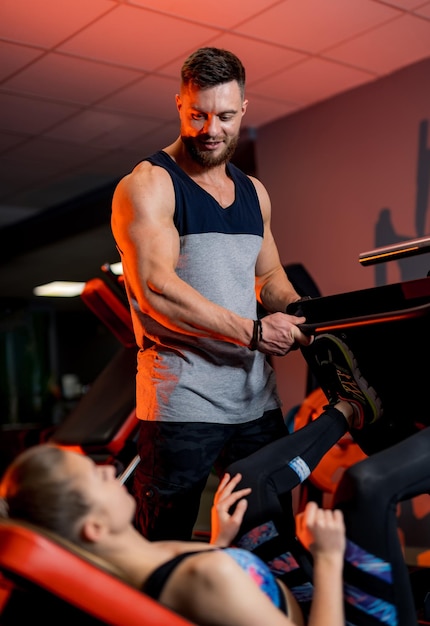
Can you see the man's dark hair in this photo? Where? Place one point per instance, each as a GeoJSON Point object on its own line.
{"type": "Point", "coordinates": [208, 67]}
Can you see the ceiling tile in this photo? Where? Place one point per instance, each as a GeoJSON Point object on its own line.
{"type": "Point", "coordinates": [311, 81]}
{"type": "Point", "coordinates": [164, 135]}
{"type": "Point", "coordinates": [259, 58]}
{"type": "Point", "coordinates": [119, 162]}
{"type": "Point", "coordinates": [46, 23]}
{"type": "Point", "coordinates": [66, 78]}
{"type": "Point", "coordinates": [405, 4]}
{"type": "Point", "coordinates": [9, 140]}
{"type": "Point", "coordinates": [88, 85]}
{"type": "Point", "coordinates": [113, 163]}
{"type": "Point", "coordinates": [424, 10]}
{"type": "Point", "coordinates": [39, 175]}
{"type": "Point", "coordinates": [32, 116]}
{"type": "Point", "coordinates": [152, 96]}
{"type": "Point", "coordinates": [221, 14]}
{"type": "Point", "coordinates": [47, 150]}
{"type": "Point", "coordinates": [137, 38]}
{"type": "Point", "coordinates": [262, 110]}
{"type": "Point", "coordinates": [124, 131]}
{"type": "Point", "coordinates": [14, 57]}
{"type": "Point", "coordinates": [86, 126]}
{"type": "Point", "coordinates": [297, 23]}
{"type": "Point", "coordinates": [391, 46]}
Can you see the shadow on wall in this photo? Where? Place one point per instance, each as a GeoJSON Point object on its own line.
{"type": "Point", "coordinates": [385, 232]}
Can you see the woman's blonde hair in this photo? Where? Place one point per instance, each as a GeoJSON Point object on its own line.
{"type": "Point", "coordinates": [35, 488]}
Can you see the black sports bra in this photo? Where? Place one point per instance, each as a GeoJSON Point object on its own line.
{"type": "Point", "coordinates": [249, 562]}
{"type": "Point", "coordinates": [153, 586]}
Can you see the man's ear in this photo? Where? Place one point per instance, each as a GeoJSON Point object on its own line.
{"type": "Point", "coordinates": [92, 529]}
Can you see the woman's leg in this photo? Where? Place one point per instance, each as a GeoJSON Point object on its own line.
{"type": "Point", "coordinates": [377, 585]}
{"type": "Point", "coordinates": [276, 469]}
{"type": "Point", "coordinates": [268, 528]}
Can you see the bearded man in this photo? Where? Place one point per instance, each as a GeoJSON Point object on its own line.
{"type": "Point", "coordinates": [197, 250]}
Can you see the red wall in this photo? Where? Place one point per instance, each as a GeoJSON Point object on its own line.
{"type": "Point", "coordinates": [331, 170]}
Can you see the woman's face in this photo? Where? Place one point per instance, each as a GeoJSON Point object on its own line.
{"type": "Point", "coordinates": [107, 497]}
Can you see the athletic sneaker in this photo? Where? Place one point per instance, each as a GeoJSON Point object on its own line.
{"type": "Point", "coordinates": [341, 379]}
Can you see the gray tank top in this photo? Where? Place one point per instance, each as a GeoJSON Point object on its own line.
{"type": "Point", "coordinates": [191, 379]}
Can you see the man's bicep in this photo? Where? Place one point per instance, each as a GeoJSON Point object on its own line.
{"type": "Point", "coordinates": [156, 245]}
{"type": "Point", "coordinates": [142, 209]}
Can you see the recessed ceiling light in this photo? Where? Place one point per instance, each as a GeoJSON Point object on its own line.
{"type": "Point", "coordinates": [59, 289]}
{"type": "Point", "coordinates": [116, 268]}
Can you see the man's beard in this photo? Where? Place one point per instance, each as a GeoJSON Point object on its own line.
{"type": "Point", "coordinates": [206, 158]}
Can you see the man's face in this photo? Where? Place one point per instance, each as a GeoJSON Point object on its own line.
{"type": "Point", "coordinates": [210, 122]}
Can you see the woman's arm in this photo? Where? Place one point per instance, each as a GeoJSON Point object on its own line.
{"type": "Point", "coordinates": [211, 589]}
{"type": "Point", "coordinates": [322, 531]}
{"type": "Point", "coordinates": [225, 520]}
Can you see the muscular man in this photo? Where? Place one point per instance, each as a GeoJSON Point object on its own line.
{"type": "Point", "coordinates": [197, 251]}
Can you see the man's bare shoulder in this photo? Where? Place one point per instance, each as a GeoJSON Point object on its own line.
{"type": "Point", "coordinates": [145, 195]}
{"type": "Point", "coordinates": [145, 173]}
{"type": "Point", "coordinates": [145, 184]}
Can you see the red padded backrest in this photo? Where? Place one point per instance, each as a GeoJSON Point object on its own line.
{"type": "Point", "coordinates": [110, 308]}
{"type": "Point", "coordinates": [104, 419]}
{"type": "Point", "coordinates": [66, 573]}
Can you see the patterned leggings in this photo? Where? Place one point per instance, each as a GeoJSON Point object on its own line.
{"type": "Point", "coordinates": [377, 588]}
